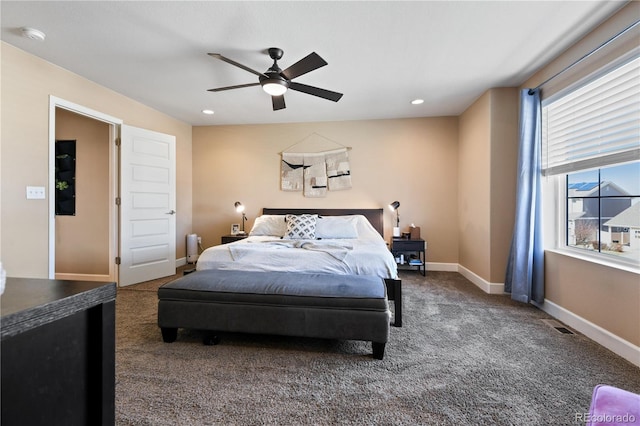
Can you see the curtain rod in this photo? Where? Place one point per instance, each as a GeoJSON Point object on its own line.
{"type": "Point", "coordinates": [567, 68]}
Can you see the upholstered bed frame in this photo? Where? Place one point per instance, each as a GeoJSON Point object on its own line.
{"type": "Point", "coordinates": [343, 307]}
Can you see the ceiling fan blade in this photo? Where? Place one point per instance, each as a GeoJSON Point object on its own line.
{"type": "Point", "coordinates": [232, 62]}
{"type": "Point", "coordinates": [278, 102]}
{"type": "Point", "coordinates": [239, 86]}
{"type": "Point", "coordinates": [315, 91]}
{"type": "Point", "coordinates": [311, 62]}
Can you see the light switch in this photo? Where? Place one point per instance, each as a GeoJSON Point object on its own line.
{"type": "Point", "coordinates": [35, 193]}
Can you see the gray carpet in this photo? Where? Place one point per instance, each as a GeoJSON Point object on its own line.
{"type": "Point", "coordinates": [462, 357]}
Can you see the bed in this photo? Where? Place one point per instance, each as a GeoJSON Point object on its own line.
{"type": "Point", "coordinates": [323, 273]}
{"type": "Point", "coordinates": [347, 241]}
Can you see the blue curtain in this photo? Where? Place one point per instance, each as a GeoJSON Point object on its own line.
{"type": "Point", "coordinates": [525, 267]}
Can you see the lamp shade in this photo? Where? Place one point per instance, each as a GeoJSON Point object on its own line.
{"type": "Point", "coordinates": [239, 207]}
{"type": "Point", "coordinates": [394, 206]}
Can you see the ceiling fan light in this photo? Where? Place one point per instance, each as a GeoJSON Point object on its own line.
{"type": "Point", "coordinates": [274, 88]}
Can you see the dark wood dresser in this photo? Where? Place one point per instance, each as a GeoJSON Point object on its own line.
{"type": "Point", "coordinates": [57, 346]}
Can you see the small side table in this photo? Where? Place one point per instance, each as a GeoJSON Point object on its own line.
{"type": "Point", "coordinates": [413, 252]}
{"type": "Point", "coordinates": [231, 238]}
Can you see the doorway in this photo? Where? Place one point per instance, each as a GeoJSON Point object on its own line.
{"type": "Point", "coordinates": [84, 245]}
{"type": "Point", "coordinates": [121, 229]}
{"type": "Point", "coordinates": [82, 196]}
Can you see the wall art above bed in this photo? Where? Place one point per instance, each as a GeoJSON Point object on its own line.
{"type": "Point", "coordinates": [315, 173]}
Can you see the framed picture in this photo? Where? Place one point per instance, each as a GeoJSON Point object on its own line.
{"type": "Point", "coordinates": [235, 228]}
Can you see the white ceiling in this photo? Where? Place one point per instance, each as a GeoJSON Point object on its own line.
{"type": "Point", "coordinates": [381, 54]}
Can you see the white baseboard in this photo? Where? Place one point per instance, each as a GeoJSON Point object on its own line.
{"type": "Point", "coordinates": [180, 262]}
{"type": "Point", "coordinates": [484, 285]}
{"type": "Point", "coordinates": [614, 343]}
{"type": "Point", "coordinates": [445, 267]}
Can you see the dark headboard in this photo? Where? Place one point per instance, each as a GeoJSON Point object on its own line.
{"type": "Point", "coordinates": [375, 216]}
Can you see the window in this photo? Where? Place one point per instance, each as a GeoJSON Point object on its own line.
{"type": "Point", "coordinates": [603, 211]}
{"type": "Point", "coordinates": [591, 143]}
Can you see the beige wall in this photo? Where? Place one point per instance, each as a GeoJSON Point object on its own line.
{"type": "Point", "coordinates": [82, 240]}
{"type": "Point", "coordinates": [474, 161]}
{"type": "Point", "coordinates": [488, 147]}
{"type": "Point", "coordinates": [503, 167]}
{"type": "Point", "coordinates": [27, 83]}
{"type": "Point", "coordinates": [607, 297]}
{"type": "Point", "coordinates": [414, 161]}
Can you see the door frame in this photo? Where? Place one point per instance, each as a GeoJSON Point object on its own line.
{"type": "Point", "coordinates": [114, 175]}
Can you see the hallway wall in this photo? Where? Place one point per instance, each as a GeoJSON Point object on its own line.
{"type": "Point", "coordinates": [82, 240]}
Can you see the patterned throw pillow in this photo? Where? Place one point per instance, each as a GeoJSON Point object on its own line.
{"type": "Point", "coordinates": [301, 227]}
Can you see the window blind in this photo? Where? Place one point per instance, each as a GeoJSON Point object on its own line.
{"type": "Point", "coordinates": [596, 125]}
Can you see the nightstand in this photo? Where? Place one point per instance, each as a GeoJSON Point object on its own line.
{"type": "Point", "coordinates": [409, 253]}
{"type": "Point", "coordinates": [231, 238]}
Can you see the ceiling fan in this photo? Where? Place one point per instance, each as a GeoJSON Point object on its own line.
{"type": "Point", "coordinates": [275, 81]}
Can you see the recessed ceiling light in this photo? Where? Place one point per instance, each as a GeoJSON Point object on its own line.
{"type": "Point", "coordinates": [208, 111]}
{"type": "Point", "coordinates": [33, 34]}
{"type": "Point", "coordinates": [417, 101]}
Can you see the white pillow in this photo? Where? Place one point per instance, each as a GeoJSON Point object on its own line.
{"type": "Point", "coordinates": [301, 227]}
{"type": "Point", "coordinates": [269, 224]}
{"type": "Point", "coordinates": [336, 227]}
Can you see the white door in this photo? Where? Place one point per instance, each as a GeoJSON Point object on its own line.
{"type": "Point", "coordinates": [147, 206]}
